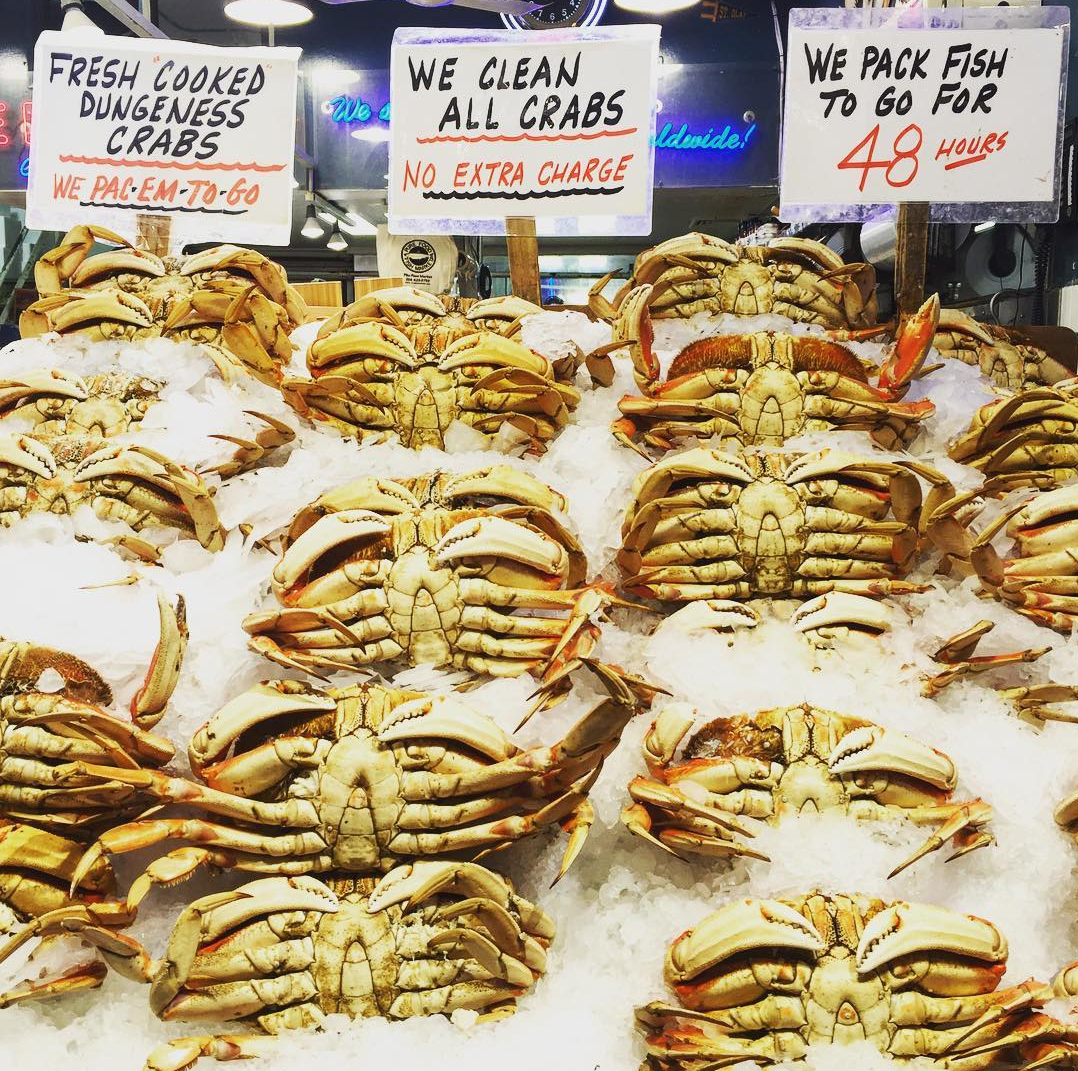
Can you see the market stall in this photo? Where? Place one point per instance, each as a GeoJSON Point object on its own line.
{"type": "Point", "coordinates": [677, 677]}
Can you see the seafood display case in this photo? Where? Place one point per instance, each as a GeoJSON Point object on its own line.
{"type": "Point", "coordinates": [529, 575]}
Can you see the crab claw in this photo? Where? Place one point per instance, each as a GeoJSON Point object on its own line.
{"type": "Point", "coordinates": [713, 615]}
{"type": "Point", "coordinates": [740, 927]}
{"type": "Point", "coordinates": [871, 747]}
{"type": "Point", "coordinates": [328, 533]}
{"type": "Point", "coordinates": [911, 347]}
{"type": "Point", "coordinates": [839, 613]}
{"type": "Point", "coordinates": [494, 536]}
{"type": "Point", "coordinates": [53, 383]}
{"type": "Point", "coordinates": [149, 702]}
{"type": "Point", "coordinates": [447, 718]}
{"type": "Point", "coordinates": [902, 929]}
{"type": "Point", "coordinates": [22, 452]}
{"type": "Point", "coordinates": [633, 328]}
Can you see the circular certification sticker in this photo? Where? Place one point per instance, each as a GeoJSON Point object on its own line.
{"type": "Point", "coordinates": [418, 255]}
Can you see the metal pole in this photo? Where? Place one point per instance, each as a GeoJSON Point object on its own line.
{"type": "Point", "coordinates": [134, 19]}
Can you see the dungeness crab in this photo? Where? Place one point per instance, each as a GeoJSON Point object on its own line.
{"type": "Point", "coordinates": [235, 303]}
{"type": "Point", "coordinates": [283, 953]}
{"type": "Point", "coordinates": [1009, 362]}
{"type": "Point", "coordinates": [360, 779]}
{"type": "Point", "coordinates": [765, 388]}
{"type": "Point", "coordinates": [788, 761]}
{"type": "Point", "coordinates": [704, 524]}
{"type": "Point", "coordinates": [51, 809]}
{"type": "Point", "coordinates": [1039, 579]}
{"type": "Point", "coordinates": [432, 569]}
{"type": "Point", "coordinates": [405, 361]}
{"type": "Point", "coordinates": [793, 277]}
{"type": "Point", "coordinates": [761, 980]}
{"type": "Point", "coordinates": [1034, 431]}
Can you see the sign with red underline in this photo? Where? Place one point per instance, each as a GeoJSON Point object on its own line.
{"type": "Point", "coordinates": [965, 112]}
{"type": "Point", "coordinates": [125, 126]}
{"type": "Point", "coordinates": [490, 124]}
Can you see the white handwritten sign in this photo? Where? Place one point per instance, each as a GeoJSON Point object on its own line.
{"type": "Point", "coordinates": [494, 124]}
{"type": "Point", "coordinates": [123, 126]}
{"type": "Point", "coordinates": [885, 115]}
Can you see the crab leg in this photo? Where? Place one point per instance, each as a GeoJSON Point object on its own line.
{"type": "Point", "coordinates": [249, 452]}
{"type": "Point", "coordinates": [182, 1053]}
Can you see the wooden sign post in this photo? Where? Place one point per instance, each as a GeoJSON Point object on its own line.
{"type": "Point", "coordinates": [523, 249]}
{"type": "Point", "coordinates": [911, 257]}
{"type": "Point", "coordinates": [154, 233]}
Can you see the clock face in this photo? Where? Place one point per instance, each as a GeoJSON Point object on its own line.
{"type": "Point", "coordinates": [558, 14]}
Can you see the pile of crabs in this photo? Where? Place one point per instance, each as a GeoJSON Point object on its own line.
{"type": "Point", "coordinates": [784, 501]}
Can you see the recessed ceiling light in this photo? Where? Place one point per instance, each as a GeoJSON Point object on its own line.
{"type": "Point", "coordinates": [268, 12]}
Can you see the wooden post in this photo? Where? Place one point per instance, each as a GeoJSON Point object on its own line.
{"type": "Point", "coordinates": [911, 256]}
{"type": "Point", "coordinates": [154, 233]}
{"type": "Point", "coordinates": [523, 249]}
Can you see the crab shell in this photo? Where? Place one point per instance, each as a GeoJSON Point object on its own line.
{"type": "Point", "coordinates": [708, 525]}
{"type": "Point", "coordinates": [794, 277]}
{"type": "Point", "coordinates": [787, 761]}
{"type": "Point", "coordinates": [761, 980]}
{"type": "Point", "coordinates": [432, 569]}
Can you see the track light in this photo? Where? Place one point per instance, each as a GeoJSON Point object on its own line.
{"type": "Point", "coordinates": [337, 240]}
{"type": "Point", "coordinates": [76, 20]}
{"type": "Point", "coordinates": [311, 227]}
{"type": "Point", "coordinates": [268, 12]}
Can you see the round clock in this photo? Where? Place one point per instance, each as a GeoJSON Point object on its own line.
{"type": "Point", "coordinates": [558, 14]}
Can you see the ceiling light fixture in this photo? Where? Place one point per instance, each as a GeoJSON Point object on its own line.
{"type": "Point", "coordinates": [980, 228]}
{"type": "Point", "coordinates": [654, 7]}
{"type": "Point", "coordinates": [337, 241]}
{"type": "Point", "coordinates": [268, 12]}
{"type": "Point", "coordinates": [76, 20]}
{"type": "Point", "coordinates": [311, 227]}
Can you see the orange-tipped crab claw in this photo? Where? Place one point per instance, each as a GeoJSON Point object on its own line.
{"type": "Point", "coordinates": [911, 347]}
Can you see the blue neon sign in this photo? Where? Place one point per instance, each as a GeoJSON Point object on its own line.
{"type": "Point", "coordinates": [727, 140]}
{"type": "Point", "coordinates": [346, 109]}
